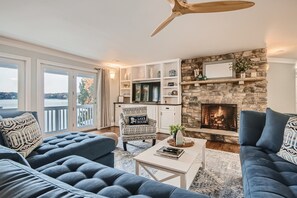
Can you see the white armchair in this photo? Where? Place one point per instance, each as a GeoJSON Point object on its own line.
{"type": "Point", "coordinates": [131, 131]}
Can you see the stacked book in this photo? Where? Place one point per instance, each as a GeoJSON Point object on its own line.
{"type": "Point", "coordinates": [170, 152]}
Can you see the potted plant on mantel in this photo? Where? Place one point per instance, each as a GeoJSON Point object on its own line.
{"type": "Point", "coordinates": [175, 128]}
{"type": "Point", "coordinates": [241, 65]}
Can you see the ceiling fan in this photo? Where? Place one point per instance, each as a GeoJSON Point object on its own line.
{"type": "Point", "coordinates": [181, 7]}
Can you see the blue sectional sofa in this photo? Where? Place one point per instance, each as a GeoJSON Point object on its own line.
{"type": "Point", "coordinates": [64, 166]}
{"type": "Point", "coordinates": [264, 173]}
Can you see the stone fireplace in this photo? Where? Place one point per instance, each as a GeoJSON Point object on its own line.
{"type": "Point", "coordinates": [246, 95]}
{"type": "Point", "coordinates": [219, 116]}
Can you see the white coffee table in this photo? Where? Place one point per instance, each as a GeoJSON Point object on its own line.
{"type": "Point", "coordinates": [178, 172]}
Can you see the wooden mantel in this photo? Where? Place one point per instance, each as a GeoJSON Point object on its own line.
{"type": "Point", "coordinates": [224, 80]}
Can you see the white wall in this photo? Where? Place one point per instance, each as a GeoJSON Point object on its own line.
{"type": "Point", "coordinates": [10, 46]}
{"type": "Point", "coordinates": [281, 87]}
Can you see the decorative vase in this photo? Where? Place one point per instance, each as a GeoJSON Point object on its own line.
{"type": "Point", "coordinates": [179, 140]}
{"type": "Point", "coordinates": [242, 74]}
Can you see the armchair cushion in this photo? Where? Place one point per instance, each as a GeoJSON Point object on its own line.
{"type": "Point", "coordinates": [137, 120]}
{"type": "Point", "coordinates": [133, 111]}
{"type": "Point", "coordinates": [138, 129]}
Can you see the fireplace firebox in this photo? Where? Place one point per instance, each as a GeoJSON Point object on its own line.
{"type": "Point", "coordinates": [219, 116]}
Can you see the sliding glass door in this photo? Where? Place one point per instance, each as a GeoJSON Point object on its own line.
{"type": "Point", "coordinates": [56, 104]}
{"type": "Point", "coordinates": [12, 84]}
{"type": "Point", "coordinates": [85, 105]}
{"type": "Point", "coordinates": [69, 99]}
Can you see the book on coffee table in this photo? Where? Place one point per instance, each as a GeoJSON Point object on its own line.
{"type": "Point", "coordinates": [170, 152]}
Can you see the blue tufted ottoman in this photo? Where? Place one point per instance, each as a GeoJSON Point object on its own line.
{"type": "Point", "coordinates": [109, 182]}
{"type": "Point", "coordinates": [94, 147]}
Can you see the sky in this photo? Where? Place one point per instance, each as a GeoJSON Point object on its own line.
{"type": "Point", "coordinates": [53, 83]}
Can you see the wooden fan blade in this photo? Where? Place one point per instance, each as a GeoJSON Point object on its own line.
{"type": "Point", "coordinates": [165, 23]}
{"type": "Point", "coordinates": [218, 6]}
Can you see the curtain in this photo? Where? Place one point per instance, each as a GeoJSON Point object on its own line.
{"type": "Point", "coordinates": [103, 99]}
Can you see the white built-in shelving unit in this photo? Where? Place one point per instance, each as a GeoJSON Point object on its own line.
{"type": "Point", "coordinates": [166, 72]}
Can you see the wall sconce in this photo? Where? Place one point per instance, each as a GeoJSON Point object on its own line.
{"type": "Point", "coordinates": [112, 74]}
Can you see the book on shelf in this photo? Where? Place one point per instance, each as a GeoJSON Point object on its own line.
{"type": "Point", "coordinates": [170, 152]}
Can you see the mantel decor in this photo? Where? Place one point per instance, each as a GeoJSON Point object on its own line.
{"type": "Point", "coordinates": [241, 65]}
{"type": "Point", "coordinates": [218, 69]}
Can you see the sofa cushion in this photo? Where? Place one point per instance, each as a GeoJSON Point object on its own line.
{"type": "Point", "coordinates": [72, 143]}
{"type": "Point", "coordinates": [7, 153]}
{"type": "Point", "coordinates": [7, 113]}
{"type": "Point", "coordinates": [273, 132]}
{"type": "Point", "coordinates": [288, 149]}
{"type": "Point", "coordinates": [267, 175]}
{"type": "Point", "coordinates": [21, 133]}
{"type": "Point", "coordinates": [19, 181]}
{"type": "Point", "coordinates": [102, 180]}
{"type": "Point", "coordinates": [251, 127]}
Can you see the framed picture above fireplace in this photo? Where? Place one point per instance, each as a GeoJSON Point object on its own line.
{"type": "Point", "coordinates": [218, 69]}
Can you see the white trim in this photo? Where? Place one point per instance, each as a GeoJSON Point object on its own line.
{"type": "Point", "coordinates": [281, 60]}
{"type": "Point", "coordinates": [27, 71]}
{"type": "Point", "coordinates": [65, 66]}
{"type": "Point", "coordinates": [40, 49]}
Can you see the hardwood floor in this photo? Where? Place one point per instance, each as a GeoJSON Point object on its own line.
{"type": "Point", "coordinates": [233, 148]}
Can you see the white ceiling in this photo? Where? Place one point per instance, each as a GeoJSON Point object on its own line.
{"type": "Point", "coordinates": [119, 30]}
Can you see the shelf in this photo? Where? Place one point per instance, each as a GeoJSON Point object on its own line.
{"type": "Point", "coordinates": [125, 88]}
{"type": "Point", "coordinates": [170, 87]}
{"type": "Point", "coordinates": [125, 81]}
{"type": "Point", "coordinates": [169, 96]}
{"type": "Point", "coordinates": [225, 80]}
{"type": "Point", "coordinates": [146, 80]}
{"type": "Point", "coordinates": [126, 96]}
{"type": "Point", "coordinates": [170, 77]}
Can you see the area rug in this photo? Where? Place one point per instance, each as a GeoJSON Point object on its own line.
{"type": "Point", "coordinates": [221, 177]}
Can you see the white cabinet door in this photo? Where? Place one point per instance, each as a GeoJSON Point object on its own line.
{"type": "Point", "coordinates": [168, 115]}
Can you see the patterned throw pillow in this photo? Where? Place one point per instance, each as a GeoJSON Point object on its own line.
{"type": "Point", "coordinates": [137, 120]}
{"type": "Point", "coordinates": [21, 133]}
{"type": "Point", "coordinates": [288, 150]}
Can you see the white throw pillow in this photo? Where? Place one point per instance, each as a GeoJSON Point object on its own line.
{"type": "Point", "coordinates": [21, 133]}
{"type": "Point", "coordinates": [288, 150]}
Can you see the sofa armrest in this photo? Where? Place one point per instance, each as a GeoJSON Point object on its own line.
{"type": "Point", "coordinates": [152, 122]}
{"type": "Point", "coordinates": [251, 126]}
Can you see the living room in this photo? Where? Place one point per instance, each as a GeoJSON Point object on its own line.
{"type": "Point", "coordinates": [79, 65]}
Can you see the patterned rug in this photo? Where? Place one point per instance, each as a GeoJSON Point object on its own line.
{"type": "Point", "coordinates": [221, 178]}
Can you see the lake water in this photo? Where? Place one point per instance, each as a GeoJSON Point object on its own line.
{"type": "Point", "coordinates": [8, 104]}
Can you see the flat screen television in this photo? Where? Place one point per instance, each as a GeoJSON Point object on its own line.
{"type": "Point", "coordinates": [146, 92]}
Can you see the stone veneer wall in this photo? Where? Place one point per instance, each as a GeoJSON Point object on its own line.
{"type": "Point", "coordinates": [249, 96]}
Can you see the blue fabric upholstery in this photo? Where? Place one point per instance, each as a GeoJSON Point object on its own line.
{"type": "Point", "coordinates": [264, 173]}
{"type": "Point", "coordinates": [20, 181]}
{"type": "Point", "coordinates": [102, 180]}
{"type": "Point", "coordinates": [7, 153]}
{"type": "Point", "coordinates": [251, 127]}
{"type": "Point", "coordinates": [273, 132]}
{"type": "Point", "coordinates": [87, 145]}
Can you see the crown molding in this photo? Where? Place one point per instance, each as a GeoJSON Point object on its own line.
{"type": "Point", "coordinates": [40, 49]}
{"type": "Point", "coordinates": [281, 60]}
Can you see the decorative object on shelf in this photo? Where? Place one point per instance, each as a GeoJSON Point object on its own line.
{"type": "Point", "coordinates": [121, 98]}
{"type": "Point", "coordinates": [174, 92]}
{"type": "Point", "coordinates": [179, 139]}
{"type": "Point", "coordinates": [172, 73]}
{"type": "Point", "coordinates": [241, 65]}
{"type": "Point", "coordinates": [175, 128]}
{"type": "Point", "coordinates": [146, 90]}
{"type": "Point", "coordinates": [159, 74]}
{"type": "Point", "coordinates": [170, 84]}
{"type": "Point", "coordinates": [204, 77]}
{"type": "Point", "coordinates": [126, 76]}
{"type": "Point", "coordinates": [137, 92]}
{"type": "Point", "coordinates": [187, 142]}
{"type": "Point", "coordinates": [200, 77]}
{"type": "Point", "coordinates": [169, 93]}
{"type": "Point", "coordinates": [218, 69]}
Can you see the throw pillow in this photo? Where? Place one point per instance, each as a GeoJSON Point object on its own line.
{"type": "Point", "coordinates": [288, 149]}
{"type": "Point", "coordinates": [6, 153]}
{"type": "Point", "coordinates": [273, 132]}
{"type": "Point", "coordinates": [137, 120]}
{"type": "Point", "coordinates": [21, 133]}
